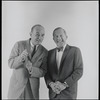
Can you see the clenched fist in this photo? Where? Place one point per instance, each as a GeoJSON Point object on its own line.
{"type": "Point", "coordinates": [60, 85]}
{"type": "Point", "coordinates": [24, 55]}
{"type": "Point", "coordinates": [54, 88]}
{"type": "Point", "coordinates": [29, 66]}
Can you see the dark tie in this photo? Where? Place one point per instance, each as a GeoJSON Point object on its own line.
{"type": "Point", "coordinates": [33, 52]}
{"type": "Point", "coordinates": [60, 49]}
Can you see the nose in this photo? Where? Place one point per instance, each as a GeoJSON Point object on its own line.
{"type": "Point", "coordinates": [58, 38]}
{"type": "Point", "coordinates": [39, 37]}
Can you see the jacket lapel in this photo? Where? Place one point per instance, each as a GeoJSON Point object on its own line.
{"type": "Point", "coordinates": [28, 47]}
{"type": "Point", "coordinates": [55, 62]}
{"type": "Point", "coordinates": [63, 57]}
{"type": "Point", "coordinates": [37, 53]}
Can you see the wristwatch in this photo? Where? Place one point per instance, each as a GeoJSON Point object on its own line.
{"type": "Point", "coordinates": [66, 84]}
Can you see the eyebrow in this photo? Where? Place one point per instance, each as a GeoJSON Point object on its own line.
{"type": "Point", "coordinates": [39, 34]}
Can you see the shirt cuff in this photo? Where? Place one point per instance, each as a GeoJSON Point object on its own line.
{"type": "Point", "coordinates": [65, 83]}
{"type": "Point", "coordinates": [50, 83]}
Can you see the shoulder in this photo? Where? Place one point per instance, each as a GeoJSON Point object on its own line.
{"type": "Point", "coordinates": [51, 51]}
{"type": "Point", "coordinates": [19, 44]}
{"type": "Point", "coordinates": [75, 48]}
{"type": "Point", "coordinates": [22, 42]}
{"type": "Point", "coordinates": [44, 49]}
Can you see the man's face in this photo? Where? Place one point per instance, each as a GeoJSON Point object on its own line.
{"type": "Point", "coordinates": [37, 35]}
{"type": "Point", "coordinates": [60, 38]}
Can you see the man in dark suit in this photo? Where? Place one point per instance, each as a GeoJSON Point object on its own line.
{"type": "Point", "coordinates": [28, 60]}
{"type": "Point", "coordinates": [64, 68]}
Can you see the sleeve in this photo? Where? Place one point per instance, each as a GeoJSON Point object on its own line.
{"type": "Point", "coordinates": [47, 77]}
{"type": "Point", "coordinates": [78, 69]}
{"type": "Point", "coordinates": [40, 71]}
{"type": "Point", "coordinates": [14, 60]}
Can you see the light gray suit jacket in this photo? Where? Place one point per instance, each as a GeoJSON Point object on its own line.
{"type": "Point", "coordinates": [20, 75]}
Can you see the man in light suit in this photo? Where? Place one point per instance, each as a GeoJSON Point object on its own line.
{"type": "Point", "coordinates": [28, 60]}
{"type": "Point", "coordinates": [64, 68]}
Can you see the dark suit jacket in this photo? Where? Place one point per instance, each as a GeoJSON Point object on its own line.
{"type": "Point", "coordinates": [20, 76]}
{"type": "Point", "coordinates": [71, 70]}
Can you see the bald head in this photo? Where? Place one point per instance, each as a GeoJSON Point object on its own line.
{"type": "Point", "coordinates": [37, 26]}
{"type": "Point", "coordinates": [37, 34]}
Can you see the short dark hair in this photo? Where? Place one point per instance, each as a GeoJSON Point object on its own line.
{"type": "Point", "coordinates": [59, 28]}
{"type": "Point", "coordinates": [36, 26]}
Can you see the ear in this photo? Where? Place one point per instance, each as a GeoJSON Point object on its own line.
{"type": "Point", "coordinates": [53, 38]}
{"type": "Point", "coordinates": [66, 36]}
{"type": "Point", "coordinates": [30, 34]}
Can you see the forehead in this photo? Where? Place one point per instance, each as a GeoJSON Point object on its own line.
{"type": "Point", "coordinates": [59, 32]}
{"type": "Point", "coordinates": [38, 29]}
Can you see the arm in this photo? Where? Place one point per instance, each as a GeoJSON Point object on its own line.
{"type": "Point", "coordinates": [40, 71]}
{"type": "Point", "coordinates": [78, 69]}
{"type": "Point", "coordinates": [14, 59]}
{"type": "Point", "coordinates": [37, 72]}
{"type": "Point", "coordinates": [47, 77]}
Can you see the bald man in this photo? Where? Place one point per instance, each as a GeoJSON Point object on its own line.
{"type": "Point", "coordinates": [28, 60]}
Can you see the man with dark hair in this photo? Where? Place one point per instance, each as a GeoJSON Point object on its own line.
{"type": "Point", "coordinates": [28, 60]}
{"type": "Point", "coordinates": [64, 68]}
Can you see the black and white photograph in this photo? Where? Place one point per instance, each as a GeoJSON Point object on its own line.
{"type": "Point", "coordinates": [50, 50]}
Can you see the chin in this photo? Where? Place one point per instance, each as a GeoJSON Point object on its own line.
{"type": "Point", "coordinates": [59, 45]}
{"type": "Point", "coordinates": [38, 43]}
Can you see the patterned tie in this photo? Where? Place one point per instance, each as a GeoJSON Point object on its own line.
{"type": "Point", "coordinates": [33, 52]}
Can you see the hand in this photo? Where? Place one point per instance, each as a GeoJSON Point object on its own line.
{"type": "Point", "coordinates": [24, 55]}
{"type": "Point", "coordinates": [29, 67]}
{"type": "Point", "coordinates": [60, 85]}
{"type": "Point", "coordinates": [54, 88]}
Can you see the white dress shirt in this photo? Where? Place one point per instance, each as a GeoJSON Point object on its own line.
{"type": "Point", "coordinates": [59, 56]}
{"type": "Point", "coordinates": [32, 46]}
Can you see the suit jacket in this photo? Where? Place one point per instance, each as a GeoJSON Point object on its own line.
{"type": "Point", "coordinates": [70, 71]}
{"type": "Point", "coordinates": [20, 76]}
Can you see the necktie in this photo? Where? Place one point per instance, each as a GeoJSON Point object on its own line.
{"type": "Point", "coordinates": [33, 52]}
{"type": "Point", "coordinates": [60, 49]}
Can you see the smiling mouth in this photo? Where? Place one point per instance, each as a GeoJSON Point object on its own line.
{"type": "Point", "coordinates": [38, 40]}
{"type": "Point", "coordinates": [59, 41]}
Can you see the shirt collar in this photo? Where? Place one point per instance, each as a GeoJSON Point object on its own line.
{"type": "Point", "coordinates": [64, 47]}
{"type": "Point", "coordinates": [33, 45]}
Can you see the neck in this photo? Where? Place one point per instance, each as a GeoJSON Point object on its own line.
{"type": "Point", "coordinates": [32, 43]}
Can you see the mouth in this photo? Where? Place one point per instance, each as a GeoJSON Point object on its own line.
{"type": "Point", "coordinates": [59, 41]}
{"type": "Point", "coordinates": [37, 40]}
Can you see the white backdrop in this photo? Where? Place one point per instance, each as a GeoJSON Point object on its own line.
{"type": "Point", "coordinates": [78, 18]}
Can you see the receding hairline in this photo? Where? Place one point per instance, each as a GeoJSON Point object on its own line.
{"type": "Point", "coordinates": [58, 29]}
{"type": "Point", "coordinates": [37, 25]}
